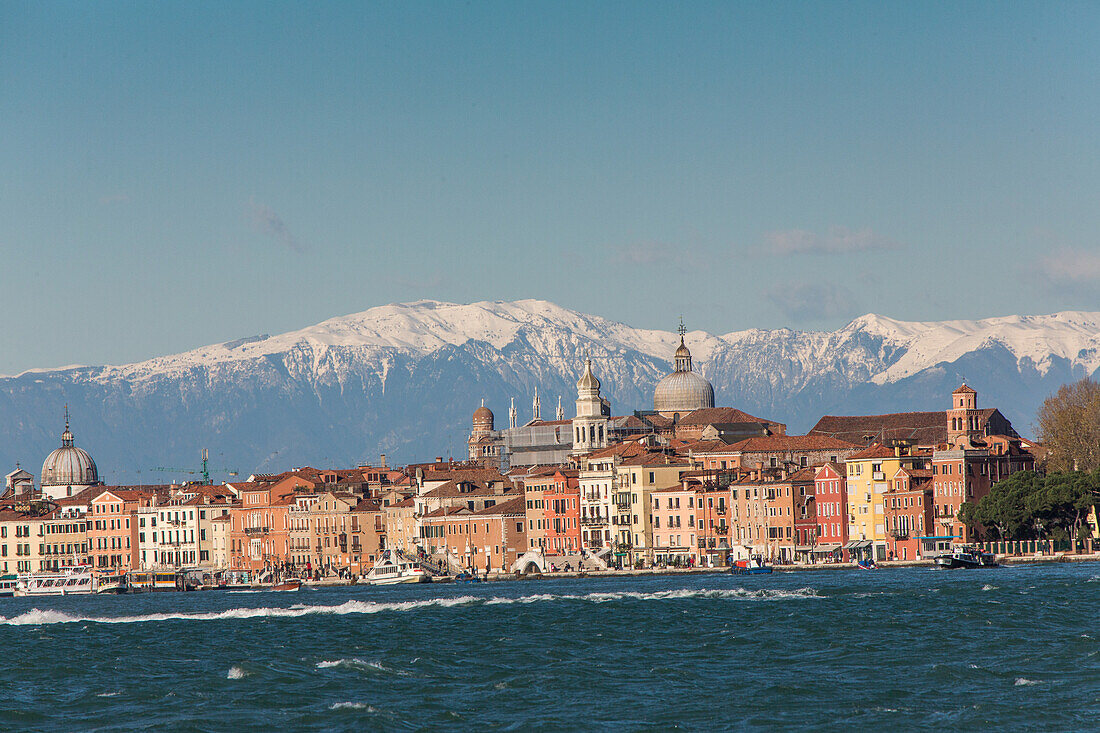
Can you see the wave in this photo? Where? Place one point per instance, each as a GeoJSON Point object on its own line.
{"type": "Point", "coordinates": [352, 706]}
{"type": "Point", "coordinates": [39, 617]}
{"type": "Point", "coordinates": [1024, 682]}
{"type": "Point", "coordinates": [357, 663]}
{"type": "Point", "coordinates": [236, 673]}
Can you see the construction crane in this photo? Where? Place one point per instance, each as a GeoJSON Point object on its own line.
{"type": "Point", "coordinates": [204, 471]}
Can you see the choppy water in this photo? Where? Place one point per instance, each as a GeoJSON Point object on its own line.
{"type": "Point", "coordinates": [1009, 648]}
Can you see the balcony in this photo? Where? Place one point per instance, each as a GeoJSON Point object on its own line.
{"type": "Point", "coordinates": [720, 511]}
{"type": "Point", "coordinates": [878, 476]}
{"type": "Point", "coordinates": [594, 521]}
{"type": "Point", "coordinates": [256, 530]}
{"type": "Point", "coordinates": [899, 534]}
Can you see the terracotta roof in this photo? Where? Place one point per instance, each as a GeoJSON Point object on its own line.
{"type": "Point", "coordinates": [446, 511]}
{"type": "Point", "coordinates": [724, 415]}
{"type": "Point", "coordinates": [834, 466]}
{"type": "Point", "coordinates": [923, 428]}
{"type": "Point", "coordinates": [773, 443]}
{"type": "Point", "coordinates": [875, 450]}
{"type": "Point", "coordinates": [452, 489]}
{"type": "Point", "coordinates": [367, 505]}
{"type": "Point", "coordinates": [512, 506]}
{"type": "Point", "coordinates": [965, 390]}
{"type": "Point", "coordinates": [706, 446]}
{"type": "Point", "coordinates": [404, 503]}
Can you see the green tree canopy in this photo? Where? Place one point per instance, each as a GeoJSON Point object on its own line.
{"type": "Point", "coordinates": [1027, 506]}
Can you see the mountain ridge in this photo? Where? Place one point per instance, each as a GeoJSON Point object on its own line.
{"type": "Point", "coordinates": [404, 378]}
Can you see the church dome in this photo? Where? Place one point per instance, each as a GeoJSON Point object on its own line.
{"type": "Point", "coordinates": [483, 418]}
{"type": "Point", "coordinates": [682, 392]}
{"type": "Point", "coordinates": [69, 465]}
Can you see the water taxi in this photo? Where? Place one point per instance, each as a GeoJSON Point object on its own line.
{"type": "Point", "coordinates": [142, 581]}
{"type": "Point", "coordinates": [752, 566]}
{"type": "Point", "coordinates": [965, 557]}
{"type": "Point", "coordinates": [116, 583]}
{"type": "Point", "coordinates": [7, 584]}
{"type": "Point", "coordinates": [68, 581]}
{"type": "Point", "coordinates": [392, 569]}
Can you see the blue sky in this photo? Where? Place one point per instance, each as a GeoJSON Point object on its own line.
{"type": "Point", "coordinates": [177, 175]}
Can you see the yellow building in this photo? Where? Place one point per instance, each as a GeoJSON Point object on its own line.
{"type": "Point", "coordinates": [868, 475]}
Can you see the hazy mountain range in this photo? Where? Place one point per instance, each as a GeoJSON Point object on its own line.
{"type": "Point", "coordinates": [404, 380]}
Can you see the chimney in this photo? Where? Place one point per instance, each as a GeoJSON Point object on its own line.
{"type": "Point", "coordinates": [439, 459]}
{"type": "Point", "coordinates": [383, 460]}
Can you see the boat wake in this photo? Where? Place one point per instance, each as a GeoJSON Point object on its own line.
{"type": "Point", "coordinates": [43, 617]}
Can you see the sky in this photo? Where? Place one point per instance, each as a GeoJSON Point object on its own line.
{"type": "Point", "coordinates": [175, 175]}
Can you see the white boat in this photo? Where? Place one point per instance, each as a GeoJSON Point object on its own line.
{"type": "Point", "coordinates": [116, 583]}
{"type": "Point", "coordinates": [7, 584]}
{"type": "Point", "coordinates": [68, 581]}
{"type": "Point", "coordinates": [392, 569]}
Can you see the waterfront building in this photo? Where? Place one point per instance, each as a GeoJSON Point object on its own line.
{"type": "Point", "coordinates": [867, 473]}
{"type": "Point", "coordinates": [113, 526]}
{"type": "Point", "coordinates": [490, 539]}
{"type": "Point", "coordinates": [562, 498]}
{"type": "Point", "coordinates": [831, 511]}
{"type": "Point", "coordinates": [805, 514]}
{"type": "Point", "coordinates": [673, 511]}
{"type": "Point", "coordinates": [34, 538]}
{"type": "Point", "coordinates": [715, 514]}
{"type": "Point", "coordinates": [908, 508]}
{"type": "Point", "coordinates": [402, 529]}
{"type": "Point", "coordinates": [259, 524]}
{"type": "Point", "coordinates": [219, 541]}
{"type": "Point", "coordinates": [590, 426]}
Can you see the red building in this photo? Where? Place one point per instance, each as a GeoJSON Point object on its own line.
{"type": "Point", "coordinates": [831, 512]}
{"type": "Point", "coordinates": [562, 513]}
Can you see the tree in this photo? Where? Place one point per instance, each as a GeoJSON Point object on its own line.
{"type": "Point", "coordinates": [1069, 427]}
{"type": "Point", "coordinates": [1028, 506]}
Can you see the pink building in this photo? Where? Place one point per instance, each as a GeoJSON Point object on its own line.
{"type": "Point", "coordinates": [674, 525]}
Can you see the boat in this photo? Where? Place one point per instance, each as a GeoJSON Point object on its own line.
{"type": "Point", "coordinates": [392, 569]}
{"type": "Point", "coordinates": [289, 584]}
{"type": "Point", "coordinates": [965, 557]}
{"type": "Point", "coordinates": [7, 584]}
{"type": "Point", "coordinates": [115, 583]}
{"type": "Point", "coordinates": [753, 566]}
{"type": "Point", "coordinates": [145, 580]}
{"type": "Point", "coordinates": [67, 581]}
{"type": "Point", "coordinates": [467, 577]}
{"type": "Point", "coordinates": [867, 565]}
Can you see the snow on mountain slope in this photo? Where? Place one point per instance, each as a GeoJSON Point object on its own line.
{"type": "Point", "coordinates": [894, 350]}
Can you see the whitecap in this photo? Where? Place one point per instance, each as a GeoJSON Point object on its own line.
{"type": "Point", "coordinates": [352, 706]}
{"type": "Point", "coordinates": [355, 662]}
{"type": "Point", "coordinates": [40, 617]}
{"type": "Point", "coordinates": [108, 694]}
{"type": "Point", "coordinates": [236, 673]}
{"type": "Point", "coordinates": [1024, 682]}
{"type": "Point", "coordinates": [987, 587]}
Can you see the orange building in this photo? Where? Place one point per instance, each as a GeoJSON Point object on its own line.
{"type": "Point", "coordinates": [113, 528]}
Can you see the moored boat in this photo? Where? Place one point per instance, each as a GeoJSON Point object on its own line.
{"type": "Point", "coordinates": [392, 569]}
{"type": "Point", "coordinates": [7, 584]}
{"type": "Point", "coordinates": [467, 577]}
{"type": "Point", "coordinates": [287, 585]}
{"type": "Point", "coordinates": [867, 565]}
{"type": "Point", "coordinates": [68, 581]}
{"type": "Point", "coordinates": [965, 557]}
{"type": "Point", "coordinates": [753, 566]}
{"type": "Point", "coordinates": [116, 583]}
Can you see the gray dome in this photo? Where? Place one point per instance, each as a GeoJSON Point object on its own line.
{"type": "Point", "coordinates": [69, 465]}
{"type": "Point", "coordinates": [682, 392]}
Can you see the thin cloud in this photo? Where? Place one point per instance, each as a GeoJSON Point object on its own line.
{"type": "Point", "coordinates": [266, 221]}
{"type": "Point", "coordinates": [806, 301]}
{"type": "Point", "coordinates": [838, 240]}
{"type": "Point", "coordinates": [650, 254]}
{"type": "Point", "coordinates": [1070, 267]}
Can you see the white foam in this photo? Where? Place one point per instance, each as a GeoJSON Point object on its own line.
{"type": "Point", "coordinates": [1023, 682]}
{"type": "Point", "coordinates": [108, 694]}
{"type": "Point", "coordinates": [236, 673]}
{"type": "Point", "coordinates": [352, 706]}
{"type": "Point", "coordinates": [37, 617]}
{"type": "Point", "coordinates": [987, 586]}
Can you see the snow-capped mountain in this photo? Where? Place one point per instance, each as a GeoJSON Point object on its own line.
{"type": "Point", "coordinates": [403, 380]}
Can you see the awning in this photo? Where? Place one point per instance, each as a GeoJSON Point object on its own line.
{"type": "Point", "coordinates": [863, 543]}
{"type": "Point", "coordinates": [851, 545]}
{"type": "Point", "coordinates": [826, 549]}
